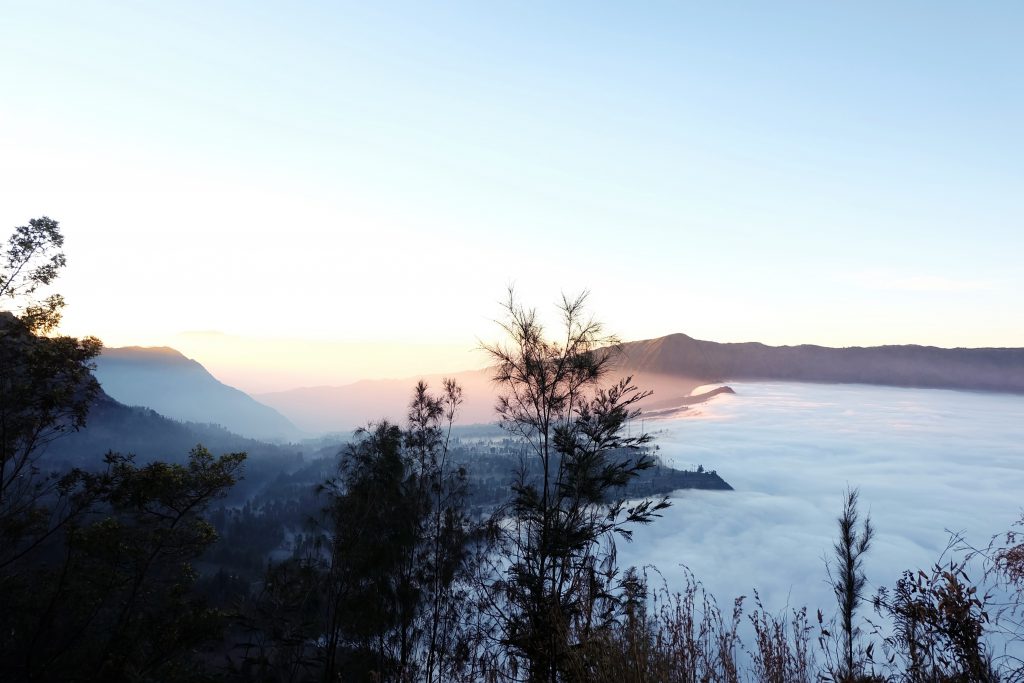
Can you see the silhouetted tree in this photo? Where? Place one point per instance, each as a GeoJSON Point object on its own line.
{"type": "Point", "coordinates": [32, 260]}
{"type": "Point", "coordinates": [397, 537]}
{"type": "Point", "coordinates": [449, 530]}
{"type": "Point", "coordinates": [846, 575]}
{"type": "Point", "coordinates": [556, 558]}
{"type": "Point", "coordinates": [46, 388]}
{"type": "Point", "coordinates": [94, 566]}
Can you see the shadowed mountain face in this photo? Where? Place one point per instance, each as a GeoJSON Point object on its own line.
{"type": "Point", "coordinates": [142, 432]}
{"type": "Point", "coordinates": [993, 369]}
{"type": "Point", "coordinates": [178, 387]}
{"type": "Point", "coordinates": [113, 426]}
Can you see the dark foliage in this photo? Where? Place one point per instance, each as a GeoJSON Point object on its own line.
{"type": "Point", "coordinates": [397, 536]}
{"type": "Point", "coordinates": [45, 392]}
{"type": "Point", "coordinates": [553, 589]}
{"type": "Point", "coordinates": [109, 598]}
{"type": "Point", "coordinates": [939, 620]}
{"type": "Point", "coordinates": [32, 260]}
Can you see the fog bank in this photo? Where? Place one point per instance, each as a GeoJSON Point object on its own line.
{"type": "Point", "coordinates": [925, 461]}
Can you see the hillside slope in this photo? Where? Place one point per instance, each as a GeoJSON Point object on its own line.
{"type": "Point", "coordinates": [178, 387]}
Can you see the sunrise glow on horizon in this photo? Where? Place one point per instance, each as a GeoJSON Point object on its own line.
{"type": "Point", "coordinates": [346, 191]}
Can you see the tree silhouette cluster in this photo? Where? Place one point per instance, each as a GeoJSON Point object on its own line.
{"type": "Point", "coordinates": [95, 573]}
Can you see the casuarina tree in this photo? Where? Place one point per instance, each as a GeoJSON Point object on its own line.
{"type": "Point", "coordinates": [555, 573]}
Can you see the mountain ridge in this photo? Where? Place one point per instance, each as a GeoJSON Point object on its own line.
{"type": "Point", "coordinates": [674, 365]}
{"type": "Point", "coordinates": [908, 365]}
{"type": "Point", "coordinates": [167, 381]}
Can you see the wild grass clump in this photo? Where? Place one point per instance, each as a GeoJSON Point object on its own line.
{"type": "Point", "coordinates": [683, 636]}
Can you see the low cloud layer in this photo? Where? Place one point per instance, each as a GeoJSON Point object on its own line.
{"type": "Point", "coordinates": [924, 460]}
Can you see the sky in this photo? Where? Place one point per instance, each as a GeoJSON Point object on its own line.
{"type": "Point", "coordinates": [321, 192]}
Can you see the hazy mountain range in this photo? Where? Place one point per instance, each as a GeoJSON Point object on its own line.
{"type": "Point", "coordinates": [178, 387]}
{"type": "Point", "coordinates": [342, 408]}
{"type": "Point", "coordinates": [671, 366]}
{"type": "Point", "coordinates": [986, 369]}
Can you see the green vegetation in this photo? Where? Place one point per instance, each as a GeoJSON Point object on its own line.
{"type": "Point", "coordinates": [398, 570]}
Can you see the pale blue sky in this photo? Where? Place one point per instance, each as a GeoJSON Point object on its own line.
{"type": "Point", "coordinates": [834, 173]}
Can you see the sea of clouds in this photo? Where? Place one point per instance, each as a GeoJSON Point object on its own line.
{"type": "Point", "coordinates": [926, 462]}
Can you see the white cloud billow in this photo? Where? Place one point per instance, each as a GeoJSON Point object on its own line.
{"type": "Point", "coordinates": [925, 461]}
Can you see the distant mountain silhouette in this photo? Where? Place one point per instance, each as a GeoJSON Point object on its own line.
{"type": "Point", "coordinates": [986, 369]}
{"type": "Point", "coordinates": [178, 387]}
{"type": "Point", "coordinates": [673, 366]}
